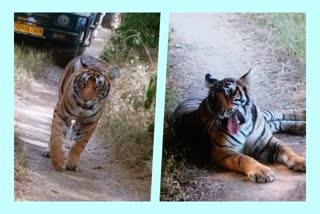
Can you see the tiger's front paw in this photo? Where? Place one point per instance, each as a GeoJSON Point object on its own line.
{"type": "Point", "coordinates": [297, 163]}
{"type": "Point", "coordinates": [73, 165]}
{"type": "Point", "coordinates": [261, 174]}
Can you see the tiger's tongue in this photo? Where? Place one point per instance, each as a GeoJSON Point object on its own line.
{"type": "Point", "coordinates": [232, 125]}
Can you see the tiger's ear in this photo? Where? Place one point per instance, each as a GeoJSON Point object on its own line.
{"type": "Point", "coordinates": [246, 78]}
{"type": "Point", "coordinates": [209, 80]}
{"type": "Point", "coordinates": [84, 59]}
{"type": "Point", "coordinates": [77, 65]}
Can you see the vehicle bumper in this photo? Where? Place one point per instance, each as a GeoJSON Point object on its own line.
{"type": "Point", "coordinates": [53, 35]}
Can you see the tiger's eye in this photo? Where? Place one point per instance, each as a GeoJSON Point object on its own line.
{"type": "Point", "coordinates": [82, 84]}
{"type": "Point", "coordinates": [100, 85]}
{"type": "Point", "coordinates": [233, 93]}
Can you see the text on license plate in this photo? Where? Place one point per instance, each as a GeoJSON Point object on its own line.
{"type": "Point", "coordinates": [28, 29]}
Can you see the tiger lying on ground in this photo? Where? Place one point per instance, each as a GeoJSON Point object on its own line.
{"type": "Point", "coordinates": [236, 132]}
{"type": "Point", "coordinates": [83, 92]}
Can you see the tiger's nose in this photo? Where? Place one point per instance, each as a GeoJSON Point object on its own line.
{"type": "Point", "coordinates": [86, 99]}
{"type": "Point", "coordinates": [230, 107]}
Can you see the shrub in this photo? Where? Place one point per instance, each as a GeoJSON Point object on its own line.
{"type": "Point", "coordinates": [136, 39]}
{"type": "Point", "coordinates": [128, 120]}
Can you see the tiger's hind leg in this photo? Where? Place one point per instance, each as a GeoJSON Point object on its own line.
{"type": "Point", "coordinates": [276, 151]}
{"type": "Point", "coordinates": [288, 115]}
{"type": "Point", "coordinates": [289, 127]}
{"type": "Point", "coordinates": [82, 136]}
{"type": "Point", "coordinates": [292, 122]}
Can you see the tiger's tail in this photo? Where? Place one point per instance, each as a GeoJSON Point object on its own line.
{"type": "Point", "coordinates": [184, 108]}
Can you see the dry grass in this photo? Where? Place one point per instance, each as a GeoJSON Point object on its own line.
{"type": "Point", "coordinates": [288, 32]}
{"type": "Point", "coordinates": [28, 64]}
{"type": "Point", "coordinates": [21, 174]}
{"type": "Point", "coordinates": [127, 123]}
{"type": "Point", "coordinates": [173, 175]}
{"type": "Point", "coordinates": [278, 44]}
{"type": "Point", "coordinates": [284, 34]}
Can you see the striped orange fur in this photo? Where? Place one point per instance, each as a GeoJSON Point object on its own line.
{"type": "Point", "coordinates": [237, 134]}
{"type": "Point", "coordinates": [83, 93]}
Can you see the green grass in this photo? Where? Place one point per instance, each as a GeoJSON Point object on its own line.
{"type": "Point", "coordinates": [136, 40]}
{"type": "Point", "coordinates": [288, 32]}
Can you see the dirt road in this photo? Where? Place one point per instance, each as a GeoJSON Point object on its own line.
{"type": "Point", "coordinates": [101, 178]}
{"type": "Point", "coordinates": [228, 45]}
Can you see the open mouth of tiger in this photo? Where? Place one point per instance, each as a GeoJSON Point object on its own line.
{"type": "Point", "coordinates": [232, 122]}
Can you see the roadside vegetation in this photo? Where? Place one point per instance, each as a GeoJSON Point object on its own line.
{"type": "Point", "coordinates": [129, 118]}
{"type": "Point", "coordinates": [135, 40]}
{"type": "Point", "coordinates": [29, 64]}
{"type": "Point", "coordinates": [21, 174]}
{"type": "Point", "coordinates": [287, 32]}
{"type": "Point", "coordinates": [174, 162]}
